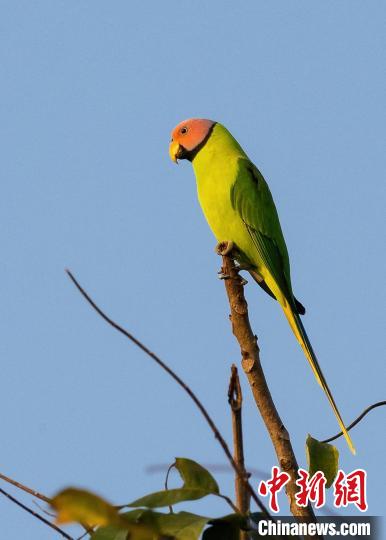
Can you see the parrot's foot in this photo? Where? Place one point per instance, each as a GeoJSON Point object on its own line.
{"type": "Point", "coordinates": [224, 248]}
{"type": "Point", "coordinates": [247, 267]}
{"type": "Point", "coordinates": [243, 281]}
{"type": "Point", "coordinates": [222, 275]}
{"type": "Point", "coordinates": [227, 247]}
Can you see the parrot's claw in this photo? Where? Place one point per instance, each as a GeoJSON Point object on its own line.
{"type": "Point", "coordinates": [224, 248]}
{"type": "Point", "coordinates": [222, 275]}
{"type": "Point", "coordinates": [246, 267]}
{"type": "Point", "coordinates": [227, 247]}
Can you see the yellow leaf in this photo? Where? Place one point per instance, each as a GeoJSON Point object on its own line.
{"type": "Point", "coordinates": [81, 506]}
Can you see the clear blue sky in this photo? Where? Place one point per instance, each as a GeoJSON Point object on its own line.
{"type": "Point", "coordinates": [89, 94]}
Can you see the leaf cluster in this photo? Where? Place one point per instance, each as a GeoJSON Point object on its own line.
{"type": "Point", "coordinates": [144, 523]}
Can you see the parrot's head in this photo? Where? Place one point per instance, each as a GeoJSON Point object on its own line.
{"type": "Point", "coordinates": [189, 137]}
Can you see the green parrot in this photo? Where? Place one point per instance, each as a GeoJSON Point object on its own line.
{"type": "Point", "coordinates": [239, 208]}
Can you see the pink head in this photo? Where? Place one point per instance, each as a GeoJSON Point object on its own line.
{"type": "Point", "coordinates": [189, 137]}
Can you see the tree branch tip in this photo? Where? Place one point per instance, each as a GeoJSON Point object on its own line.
{"type": "Point", "coordinates": [224, 248]}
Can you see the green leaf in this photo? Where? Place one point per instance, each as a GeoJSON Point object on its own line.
{"type": "Point", "coordinates": [322, 457]}
{"type": "Point", "coordinates": [134, 525]}
{"type": "Point", "coordinates": [195, 475]}
{"type": "Point", "coordinates": [225, 528]}
{"type": "Point", "coordinates": [132, 532]}
{"type": "Point", "coordinates": [198, 483]}
{"type": "Point", "coordinates": [169, 497]}
{"type": "Point", "coordinates": [78, 505]}
{"type": "Point", "coordinates": [180, 526]}
{"type": "Point", "coordinates": [111, 532]}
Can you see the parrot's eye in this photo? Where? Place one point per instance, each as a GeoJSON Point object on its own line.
{"type": "Point", "coordinates": [183, 130]}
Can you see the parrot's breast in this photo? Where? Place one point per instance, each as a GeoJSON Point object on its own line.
{"type": "Point", "coordinates": [216, 167]}
{"type": "Point", "coordinates": [214, 195]}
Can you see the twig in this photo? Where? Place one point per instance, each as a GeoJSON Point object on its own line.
{"type": "Point", "coordinates": [179, 381]}
{"type": "Point", "coordinates": [25, 488]}
{"type": "Point", "coordinates": [362, 415]}
{"type": "Point", "coordinates": [229, 501]}
{"type": "Point", "coordinates": [38, 516]}
{"type": "Point", "coordinates": [166, 482]}
{"type": "Point", "coordinates": [46, 512]}
{"type": "Point", "coordinates": [35, 494]}
{"type": "Point", "coordinates": [252, 367]}
{"type": "Point", "coordinates": [84, 535]}
{"type": "Point", "coordinates": [235, 399]}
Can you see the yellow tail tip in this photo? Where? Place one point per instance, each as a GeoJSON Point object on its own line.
{"type": "Point", "coordinates": [305, 344]}
{"type": "Point", "coordinates": [350, 444]}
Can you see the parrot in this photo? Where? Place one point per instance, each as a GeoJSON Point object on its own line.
{"type": "Point", "coordinates": [239, 208]}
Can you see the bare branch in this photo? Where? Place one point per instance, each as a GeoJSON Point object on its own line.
{"type": "Point", "coordinates": [235, 400]}
{"type": "Point", "coordinates": [25, 488]}
{"type": "Point", "coordinates": [362, 415]}
{"type": "Point", "coordinates": [228, 500]}
{"type": "Point", "coordinates": [35, 494]}
{"type": "Point", "coordinates": [252, 367]}
{"type": "Point", "coordinates": [179, 381]}
{"type": "Point", "coordinates": [36, 515]}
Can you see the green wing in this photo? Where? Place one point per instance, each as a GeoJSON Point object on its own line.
{"type": "Point", "coordinates": [252, 199]}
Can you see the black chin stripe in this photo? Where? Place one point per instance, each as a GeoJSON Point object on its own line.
{"type": "Point", "coordinates": [191, 154]}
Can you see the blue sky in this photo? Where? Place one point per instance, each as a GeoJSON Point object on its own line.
{"type": "Point", "coordinates": [90, 92]}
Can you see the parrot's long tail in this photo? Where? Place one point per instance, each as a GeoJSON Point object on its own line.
{"type": "Point", "coordinates": [300, 333]}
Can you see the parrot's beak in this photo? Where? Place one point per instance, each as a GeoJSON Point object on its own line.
{"type": "Point", "coordinates": [174, 150]}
